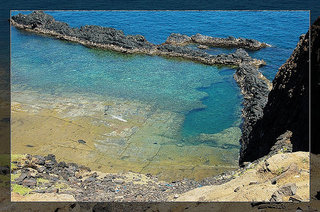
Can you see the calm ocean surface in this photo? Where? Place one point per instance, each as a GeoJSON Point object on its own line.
{"type": "Point", "coordinates": [207, 95]}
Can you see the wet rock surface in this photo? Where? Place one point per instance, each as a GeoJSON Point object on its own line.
{"type": "Point", "coordinates": [86, 185]}
{"type": "Point", "coordinates": [229, 42]}
{"type": "Point", "coordinates": [113, 39]}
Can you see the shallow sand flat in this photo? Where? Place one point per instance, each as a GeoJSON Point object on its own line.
{"type": "Point", "coordinates": [147, 141]}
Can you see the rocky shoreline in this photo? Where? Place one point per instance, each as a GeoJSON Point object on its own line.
{"type": "Point", "coordinates": [45, 175]}
{"type": "Point", "coordinates": [116, 40]}
{"type": "Point", "coordinates": [254, 87]}
{"type": "Point", "coordinates": [283, 175]}
{"type": "Point", "coordinates": [32, 175]}
{"type": "Point", "coordinates": [208, 41]}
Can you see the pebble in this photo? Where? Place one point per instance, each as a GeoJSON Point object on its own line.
{"type": "Point", "coordinates": [117, 181]}
{"type": "Point", "coordinates": [21, 178]}
{"type": "Point", "coordinates": [80, 141]}
{"type": "Point", "coordinates": [253, 183]}
{"type": "Point", "coordinates": [31, 182]}
{"type": "Point", "coordinates": [40, 169]}
{"type": "Point", "coordinates": [237, 189]}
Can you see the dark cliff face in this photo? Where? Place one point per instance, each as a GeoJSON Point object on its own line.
{"type": "Point", "coordinates": [315, 87]}
{"type": "Point", "coordinates": [255, 89]}
{"type": "Point", "coordinates": [288, 104]}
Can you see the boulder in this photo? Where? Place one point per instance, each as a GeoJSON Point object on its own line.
{"type": "Point", "coordinates": [21, 178]}
{"type": "Point", "coordinates": [29, 182]}
{"type": "Point", "coordinates": [39, 160]}
{"type": "Point", "coordinates": [289, 189]}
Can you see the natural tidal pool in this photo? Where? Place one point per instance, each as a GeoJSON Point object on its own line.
{"type": "Point", "coordinates": [195, 90]}
{"type": "Point", "coordinates": [148, 114]}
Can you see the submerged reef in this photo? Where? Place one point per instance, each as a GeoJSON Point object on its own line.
{"type": "Point", "coordinates": [116, 40]}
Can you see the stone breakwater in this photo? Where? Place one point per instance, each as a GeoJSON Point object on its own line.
{"type": "Point", "coordinates": [116, 40]}
{"type": "Point", "coordinates": [203, 40]}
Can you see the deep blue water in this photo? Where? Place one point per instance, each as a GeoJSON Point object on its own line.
{"type": "Point", "coordinates": [56, 67]}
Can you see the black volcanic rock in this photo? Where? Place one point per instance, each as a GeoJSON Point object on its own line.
{"type": "Point", "coordinates": [230, 42]}
{"type": "Point", "coordinates": [178, 39]}
{"type": "Point", "coordinates": [315, 86]}
{"type": "Point", "coordinates": [116, 40]}
{"type": "Point", "coordinates": [182, 50]}
{"type": "Point", "coordinates": [255, 89]}
{"type": "Point", "coordinates": [287, 108]}
{"type": "Point", "coordinates": [95, 34]}
{"type": "Point", "coordinates": [36, 18]}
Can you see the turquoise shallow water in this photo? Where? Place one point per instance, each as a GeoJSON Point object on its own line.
{"type": "Point", "coordinates": [56, 67]}
{"type": "Point", "coordinates": [208, 96]}
{"type": "Point", "coordinates": [219, 113]}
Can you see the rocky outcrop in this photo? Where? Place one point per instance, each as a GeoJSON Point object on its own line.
{"type": "Point", "coordinates": [255, 89]}
{"type": "Point", "coordinates": [315, 86]}
{"type": "Point", "coordinates": [287, 108]}
{"type": "Point", "coordinates": [116, 40]}
{"type": "Point", "coordinates": [282, 177]}
{"type": "Point", "coordinates": [178, 39]}
{"type": "Point", "coordinates": [289, 189]}
{"type": "Point", "coordinates": [229, 42]}
{"type": "Point", "coordinates": [39, 21]}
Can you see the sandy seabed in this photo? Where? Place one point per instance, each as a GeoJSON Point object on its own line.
{"type": "Point", "coordinates": [119, 136]}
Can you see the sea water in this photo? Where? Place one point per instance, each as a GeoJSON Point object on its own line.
{"type": "Point", "coordinates": [207, 96]}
